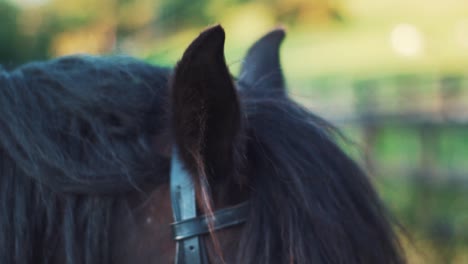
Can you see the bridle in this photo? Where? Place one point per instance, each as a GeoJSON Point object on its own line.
{"type": "Point", "coordinates": [188, 227]}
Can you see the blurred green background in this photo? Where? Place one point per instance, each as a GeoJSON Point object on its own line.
{"type": "Point", "coordinates": [391, 73]}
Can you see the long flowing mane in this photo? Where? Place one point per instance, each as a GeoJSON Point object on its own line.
{"type": "Point", "coordinates": [312, 203]}
{"type": "Point", "coordinates": [74, 137]}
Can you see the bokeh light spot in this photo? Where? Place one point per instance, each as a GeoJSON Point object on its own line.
{"type": "Point", "coordinates": [407, 40]}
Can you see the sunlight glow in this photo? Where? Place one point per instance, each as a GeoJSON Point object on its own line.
{"type": "Point", "coordinates": [407, 40]}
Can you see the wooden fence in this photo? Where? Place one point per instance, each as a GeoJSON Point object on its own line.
{"type": "Point", "coordinates": [432, 108]}
{"type": "Point", "coordinates": [426, 105]}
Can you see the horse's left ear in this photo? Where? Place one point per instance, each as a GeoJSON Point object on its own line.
{"type": "Point", "coordinates": [206, 118]}
{"type": "Point", "coordinates": [261, 68]}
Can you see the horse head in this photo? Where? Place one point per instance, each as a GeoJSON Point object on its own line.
{"type": "Point", "coordinates": [89, 147]}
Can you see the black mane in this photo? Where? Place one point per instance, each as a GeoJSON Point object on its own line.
{"type": "Point", "coordinates": [312, 203]}
{"type": "Point", "coordinates": [75, 135]}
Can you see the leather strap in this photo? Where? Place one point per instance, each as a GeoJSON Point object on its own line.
{"type": "Point", "coordinates": [184, 207]}
{"type": "Point", "coordinates": [187, 227]}
{"type": "Point", "coordinates": [223, 218]}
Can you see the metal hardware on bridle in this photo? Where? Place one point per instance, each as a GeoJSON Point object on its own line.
{"type": "Point", "coordinates": [188, 227]}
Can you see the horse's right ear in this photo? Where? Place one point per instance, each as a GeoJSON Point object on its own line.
{"type": "Point", "coordinates": [261, 69]}
{"type": "Point", "coordinates": [206, 116]}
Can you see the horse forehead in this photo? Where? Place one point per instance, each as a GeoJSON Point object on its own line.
{"type": "Point", "coordinates": [146, 233]}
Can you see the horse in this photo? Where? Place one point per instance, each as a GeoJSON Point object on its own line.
{"type": "Point", "coordinates": [89, 146]}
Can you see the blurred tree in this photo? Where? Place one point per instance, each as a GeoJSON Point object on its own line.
{"type": "Point", "coordinates": [306, 11]}
{"type": "Point", "coordinates": [57, 27]}
{"type": "Point", "coordinates": [177, 14]}
{"type": "Point", "coordinates": [24, 34]}
{"type": "Point", "coordinates": [8, 34]}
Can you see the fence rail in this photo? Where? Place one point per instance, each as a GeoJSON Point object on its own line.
{"type": "Point", "coordinates": [426, 105]}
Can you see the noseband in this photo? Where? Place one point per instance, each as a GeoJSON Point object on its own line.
{"type": "Point", "coordinates": [188, 227]}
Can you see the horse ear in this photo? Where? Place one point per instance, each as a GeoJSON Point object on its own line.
{"type": "Point", "coordinates": [261, 69]}
{"type": "Point", "coordinates": [206, 116]}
